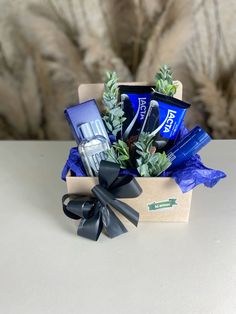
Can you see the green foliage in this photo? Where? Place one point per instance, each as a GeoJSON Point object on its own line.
{"type": "Point", "coordinates": [150, 163]}
{"type": "Point", "coordinates": [114, 115]}
{"type": "Point", "coordinates": [119, 153]}
{"type": "Point", "coordinates": [164, 82]}
{"type": "Point", "coordinates": [110, 92]}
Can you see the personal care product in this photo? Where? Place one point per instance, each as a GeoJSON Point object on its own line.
{"type": "Point", "coordinates": [79, 114]}
{"type": "Point", "coordinates": [92, 148]}
{"type": "Point", "coordinates": [187, 147]}
{"type": "Point", "coordinates": [164, 118]}
{"type": "Point", "coordinates": [135, 102]}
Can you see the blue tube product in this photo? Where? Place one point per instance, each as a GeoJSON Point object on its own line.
{"type": "Point", "coordinates": [187, 147]}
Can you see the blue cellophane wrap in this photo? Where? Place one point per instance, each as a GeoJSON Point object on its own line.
{"type": "Point", "coordinates": [188, 176]}
{"type": "Point", "coordinates": [73, 164]}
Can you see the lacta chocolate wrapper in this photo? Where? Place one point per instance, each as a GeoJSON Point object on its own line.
{"type": "Point", "coordinates": [163, 119]}
{"type": "Point", "coordinates": [135, 101]}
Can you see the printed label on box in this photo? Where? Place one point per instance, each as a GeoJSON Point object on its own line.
{"type": "Point", "coordinates": [162, 205]}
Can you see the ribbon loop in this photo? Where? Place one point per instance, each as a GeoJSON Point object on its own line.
{"type": "Point", "coordinates": [108, 172]}
{"type": "Point", "coordinates": [126, 187]}
{"type": "Point", "coordinates": [91, 228]}
{"type": "Point", "coordinates": [81, 207]}
{"type": "Point", "coordinates": [95, 213]}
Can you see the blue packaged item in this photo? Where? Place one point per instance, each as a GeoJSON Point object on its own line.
{"type": "Point", "coordinates": [79, 114]}
{"type": "Point", "coordinates": [164, 118]}
{"type": "Point", "coordinates": [187, 147]}
{"type": "Point", "coordinates": [135, 101]}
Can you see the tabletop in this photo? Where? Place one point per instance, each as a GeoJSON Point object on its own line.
{"type": "Point", "coordinates": [156, 268]}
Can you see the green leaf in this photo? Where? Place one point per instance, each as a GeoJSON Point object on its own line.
{"type": "Point", "coordinates": [123, 158]}
{"type": "Point", "coordinates": [143, 169]}
{"type": "Point", "coordinates": [109, 126]}
{"type": "Point", "coordinates": [139, 145]}
{"type": "Point", "coordinates": [119, 153]}
{"type": "Point", "coordinates": [114, 114]}
{"type": "Point", "coordinates": [164, 81]}
{"type": "Point", "coordinates": [150, 163]}
{"type": "Point", "coordinates": [116, 122]}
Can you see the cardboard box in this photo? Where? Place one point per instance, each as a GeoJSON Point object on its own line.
{"type": "Point", "coordinates": [161, 200]}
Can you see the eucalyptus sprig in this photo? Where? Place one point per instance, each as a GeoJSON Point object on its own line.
{"type": "Point", "coordinates": [114, 114]}
{"type": "Point", "coordinates": [150, 163]}
{"type": "Point", "coordinates": [119, 153]}
{"type": "Point", "coordinates": [164, 82]}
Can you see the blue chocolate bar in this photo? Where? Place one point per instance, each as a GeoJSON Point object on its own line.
{"type": "Point", "coordinates": [163, 119]}
{"type": "Point", "coordinates": [171, 116]}
{"type": "Point", "coordinates": [135, 101]}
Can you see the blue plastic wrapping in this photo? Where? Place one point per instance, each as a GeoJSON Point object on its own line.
{"type": "Point", "coordinates": [73, 164]}
{"type": "Point", "coordinates": [188, 176]}
{"type": "Point", "coordinates": [193, 173]}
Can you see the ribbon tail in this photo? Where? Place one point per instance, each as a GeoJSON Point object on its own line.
{"type": "Point", "coordinates": [126, 210]}
{"type": "Point", "coordinates": [111, 223]}
{"type": "Point", "coordinates": [106, 197]}
{"type": "Point", "coordinates": [91, 228]}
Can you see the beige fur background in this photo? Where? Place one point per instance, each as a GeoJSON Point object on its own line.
{"type": "Point", "coordinates": [48, 47]}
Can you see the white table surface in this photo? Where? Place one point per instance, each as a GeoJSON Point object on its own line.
{"type": "Point", "coordinates": [156, 268]}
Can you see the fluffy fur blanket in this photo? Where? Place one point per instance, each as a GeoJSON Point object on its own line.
{"type": "Point", "coordinates": [47, 48]}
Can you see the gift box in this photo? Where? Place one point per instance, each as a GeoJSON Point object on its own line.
{"type": "Point", "coordinates": [161, 199]}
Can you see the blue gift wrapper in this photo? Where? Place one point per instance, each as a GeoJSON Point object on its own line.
{"type": "Point", "coordinates": [188, 176]}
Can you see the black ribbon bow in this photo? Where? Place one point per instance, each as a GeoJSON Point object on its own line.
{"type": "Point", "coordinates": [95, 212]}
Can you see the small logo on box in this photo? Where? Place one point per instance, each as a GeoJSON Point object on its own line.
{"type": "Point", "coordinates": [162, 204]}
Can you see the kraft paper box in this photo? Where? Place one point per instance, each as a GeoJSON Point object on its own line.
{"type": "Point", "coordinates": [161, 199]}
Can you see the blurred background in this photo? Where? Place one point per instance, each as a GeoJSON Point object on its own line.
{"type": "Point", "coordinates": [47, 48]}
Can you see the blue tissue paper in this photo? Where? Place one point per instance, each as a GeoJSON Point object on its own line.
{"type": "Point", "coordinates": [193, 172]}
{"type": "Point", "coordinates": [73, 164]}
